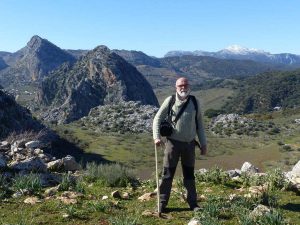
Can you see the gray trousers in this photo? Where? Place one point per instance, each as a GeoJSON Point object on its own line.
{"type": "Point", "coordinates": [186, 152]}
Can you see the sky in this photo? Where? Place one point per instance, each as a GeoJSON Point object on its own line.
{"type": "Point", "coordinates": [153, 26]}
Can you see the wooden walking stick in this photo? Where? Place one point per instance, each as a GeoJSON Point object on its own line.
{"type": "Point", "coordinates": [157, 182]}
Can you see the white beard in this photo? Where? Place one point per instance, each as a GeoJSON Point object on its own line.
{"type": "Point", "coordinates": [183, 94]}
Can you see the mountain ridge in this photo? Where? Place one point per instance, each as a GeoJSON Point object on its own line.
{"type": "Point", "coordinates": [98, 78]}
{"type": "Point", "coordinates": [243, 53]}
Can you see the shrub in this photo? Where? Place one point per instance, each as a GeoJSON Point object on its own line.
{"type": "Point", "coordinates": [214, 175]}
{"type": "Point", "coordinates": [210, 113]}
{"type": "Point", "coordinates": [66, 183]}
{"type": "Point", "coordinates": [124, 219]}
{"type": "Point", "coordinates": [97, 206]}
{"type": "Point", "coordinates": [272, 218]}
{"type": "Point", "coordinates": [112, 175]}
{"type": "Point", "coordinates": [280, 143]}
{"type": "Point", "coordinates": [286, 148]}
{"type": "Point", "coordinates": [31, 182]}
{"type": "Point", "coordinates": [276, 180]}
{"type": "Point", "coordinates": [269, 198]}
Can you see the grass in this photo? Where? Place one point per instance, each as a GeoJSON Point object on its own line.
{"type": "Point", "coordinates": [90, 209]}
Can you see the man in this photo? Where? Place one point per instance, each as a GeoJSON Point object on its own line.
{"type": "Point", "coordinates": [180, 144]}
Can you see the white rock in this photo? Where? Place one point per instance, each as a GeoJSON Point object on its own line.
{"type": "Point", "coordinates": [4, 144]}
{"type": "Point", "coordinates": [55, 165]}
{"type": "Point", "coordinates": [296, 169]}
{"type": "Point", "coordinates": [38, 151]}
{"type": "Point", "coordinates": [104, 197]}
{"type": "Point", "coordinates": [194, 222]}
{"type": "Point", "coordinates": [249, 168]}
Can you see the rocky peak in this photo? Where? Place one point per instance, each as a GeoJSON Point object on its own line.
{"type": "Point", "coordinates": [100, 77]}
{"type": "Point", "coordinates": [34, 61]}
{"type": "Point", "coordinates": [36, 42]}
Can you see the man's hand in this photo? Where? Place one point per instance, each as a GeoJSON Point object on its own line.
{"type": "Point", "coordinates": [203, 150]}
{"type": "Point", "coordinates": [157, 142]}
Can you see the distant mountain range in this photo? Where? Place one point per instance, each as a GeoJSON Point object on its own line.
{"type": "Point", "coordinates": [39, 57]}
{"type": "Point", "coordinates": [242, 53]}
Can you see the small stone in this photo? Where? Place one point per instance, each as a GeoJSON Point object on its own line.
{"type": "Point", "coordinates": [257, 189]}
{"type": "Point", "coordinates": [125, 195]}
{"type": "Point", "coordinates": [67, 201]}
{"type": "Point", "coordinates": [232, 197]}
{"type": "Point", "coordinates": [147, 196]}
{"type": "Point", "coordinates": [17, 194]}
{"type": "Point", "coordinates": [71, 194]}
{"type": "Point", "coordinates": [65, 215]}
{"type": "Point", "coordinates": [194, 221]}
{"type": "Point", "coordinates": [31, 200]}
{"type": "Point", "coordinates": [51, 191]}
{"type": "Point", "coordinates": [38, 151]}
{"type": "Point", "coordinates": [104, 197]}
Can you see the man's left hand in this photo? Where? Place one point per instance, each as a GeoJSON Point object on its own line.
{"type": "Point", "coordinates": [203, 150]}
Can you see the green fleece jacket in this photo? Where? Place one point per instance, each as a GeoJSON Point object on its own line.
{"type": "Point", "coordinates": [185, 129]}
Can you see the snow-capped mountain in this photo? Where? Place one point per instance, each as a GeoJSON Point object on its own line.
{"type": "Point", "coordinates": [243, 53]}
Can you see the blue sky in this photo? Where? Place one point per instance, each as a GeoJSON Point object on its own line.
{"type": "Point", "coordinates": [153, 26]}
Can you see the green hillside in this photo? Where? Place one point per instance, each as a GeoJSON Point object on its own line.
{"type": "Point", "coordinates": [263, 92]}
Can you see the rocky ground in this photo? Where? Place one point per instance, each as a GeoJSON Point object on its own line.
{"type": "Point", "coordinates": [132, 117]}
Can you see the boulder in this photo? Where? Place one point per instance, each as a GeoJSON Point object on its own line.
{"type": "Point", "coordinates": [56, 165]}
{"type": "Point", "coordinates": [296, 169]}
{"type": "Point", "coordinates": [31, 164]}
{"type": "Point", "coordinates": [70, 164]}
{"type": "Point", "coordinates": [259, 211]}
{"type": "Point", "coordinates": [249, 168]}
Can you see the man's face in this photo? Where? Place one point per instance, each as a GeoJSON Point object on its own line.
{"type": "Point", "coordinates": [182, 87]}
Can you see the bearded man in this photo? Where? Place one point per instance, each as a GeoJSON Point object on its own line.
{"type": "Point", "coordinates": [181, 143]}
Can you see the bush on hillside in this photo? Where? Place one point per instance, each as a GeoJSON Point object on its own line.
{"type": "Point", "coordinates": [112, 175]}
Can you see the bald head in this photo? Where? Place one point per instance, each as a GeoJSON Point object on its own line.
{"type": "Point", "coordinates": [182, 88]}
{"type": "Point", "coordinates": [182, 81]}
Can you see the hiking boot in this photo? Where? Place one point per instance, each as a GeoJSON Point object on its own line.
{"type": "Point", "coordinates": [195, 208]}
{"type": "Point", "coordinates": [162, 208]}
